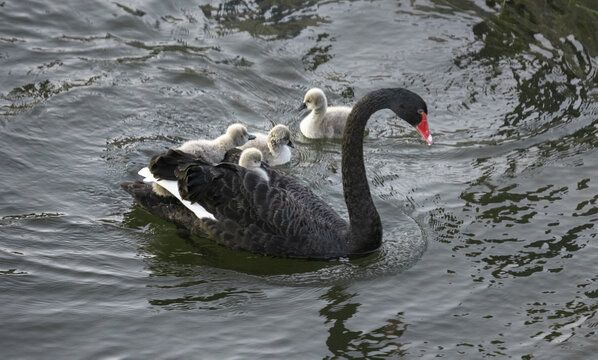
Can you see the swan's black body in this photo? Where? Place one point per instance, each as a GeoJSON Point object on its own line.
{"type": "Point", "coordinates": [163, 166]}
{"type": "Point", "coordinates": [282, 217]}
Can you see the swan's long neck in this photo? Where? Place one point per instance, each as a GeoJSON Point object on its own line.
{"type": "Point", "coordinates": [274, 148]}
{"type": "Point", "coordinates": [320, 111]}
{"type": "Point", "coordinates": [365, 225]}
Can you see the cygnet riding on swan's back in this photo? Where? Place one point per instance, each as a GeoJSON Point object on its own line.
{"type": "Point", "coordinates": [213, 150]}
{"type": "Point", "coordinates": [282, 217]}
{"type": "Point", "coordinates": [275, 147]}
{"type": "Point", "coordinates": [251, 159]}
{"type": "Point", "coordinates": [167, 185]}
{"type": "Point", "coordinates": [322, 121]}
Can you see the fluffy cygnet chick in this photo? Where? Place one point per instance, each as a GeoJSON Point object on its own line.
{"type": "Point", "coordinates": [213, 150]}
{"type": "Point", "coordinates": [323, 121]}
{"type": "Point", "coordinates": [275, 147]}
{"type": "Point", "coordinates": [251, 159]}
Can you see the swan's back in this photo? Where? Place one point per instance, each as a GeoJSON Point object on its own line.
{"type": "Point", "coordinates": [305, 197]}
{"type": "Point", "coordinates": [336, 118]}
{"type": "Point", "coordinates": [211, 150]}
{"type": "Point", "coordinates": [281, 218]}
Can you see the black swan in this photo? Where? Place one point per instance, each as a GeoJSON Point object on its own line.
{"type": "Point", "coordinates": [282, 217]}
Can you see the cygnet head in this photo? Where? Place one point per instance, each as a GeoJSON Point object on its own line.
{"type": "Point", "coordinates": [251, 159]}
{"type": "Point", "coordinates": [314, 99]}
{"type": "Point", "coordinates": [239, 134]}
{"type": "Point", "coordinates": [279, 136]}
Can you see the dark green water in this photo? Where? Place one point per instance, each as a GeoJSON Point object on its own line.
{"type": "Point", "coordinates": [490, 235]}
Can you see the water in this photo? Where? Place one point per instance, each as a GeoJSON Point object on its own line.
{"type": "Point", "coordinates": [490, 234]}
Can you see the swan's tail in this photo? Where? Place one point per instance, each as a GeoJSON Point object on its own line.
{"type": "Point", "coordinates": [145, 196]}
{"type": "Point", "coordinates": [167, 208]}
{"type": "Point", "coordinates": [163, 166]}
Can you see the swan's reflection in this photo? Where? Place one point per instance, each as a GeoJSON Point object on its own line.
{"type": "Point", "coordinates": [347, 344]}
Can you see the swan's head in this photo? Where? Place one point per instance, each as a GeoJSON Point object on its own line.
{"type": "Point", "coordinates": [251, 158]}
{"type": "Point", "coordinates": [314, 99]}
{"type": "Point", "coordinates": [239, 134]}
{"type": "Point", "coordinates": [412, 108]}
{"type": "Point", "coordinates": [279, 136]}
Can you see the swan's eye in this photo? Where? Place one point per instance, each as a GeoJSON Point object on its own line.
{"type": "Point", "coordinates": [420, 111]}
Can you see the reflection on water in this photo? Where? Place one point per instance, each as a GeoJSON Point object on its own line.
{"type": "Point", "coordinates": [268, 19]}
{"type": "Point", "coordinates": [318, 54]}
{"type": "Point", "coordinates": [23, 98]}
{"type": "Point", "coordinates": [176, 253]}
{"type": "Point", "coordinates": [529, 211]}
{"type": "Point", "coordinates": [553, 74]}
{"type": "Point", "coordinates": [522, 214]}
{"type": "Point", "coordinates": [564, 321]}
{"type": "Point", "coordinates": [344, 343]}
{"type": "Point", "coordinates": [490, 234]}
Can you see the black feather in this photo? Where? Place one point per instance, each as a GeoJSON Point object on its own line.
{"type": "Point", "coordinates": [232, 155]}
{"type": "Point", "coordinates": [163, 166]}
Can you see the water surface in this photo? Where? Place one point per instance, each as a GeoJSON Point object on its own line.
{"type": "Point", "coordinates": [489, 235]}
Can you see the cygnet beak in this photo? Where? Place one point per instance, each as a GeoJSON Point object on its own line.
{"type": "Point", "coordinates": [302, 107]}
{"type": "Point", "coordinates": [290, 144]}
{"type": "Point", "coordinates": [251, 137]}
{"type": "Point", "coordinates": [423, 129]}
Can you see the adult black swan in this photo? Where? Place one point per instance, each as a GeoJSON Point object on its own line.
{"type": "Point", "coordinates": [281, 217]}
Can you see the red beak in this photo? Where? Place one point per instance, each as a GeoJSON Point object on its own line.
{"type": "Point", "coordinates": [423, 129]}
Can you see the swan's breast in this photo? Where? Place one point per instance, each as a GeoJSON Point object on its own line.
{"type": "Point", "coordinates": [312, 128]}
{"type": "Point", "coordinates": [305, 127]}
{"type": "Point", "coordinates": [284, 156]}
